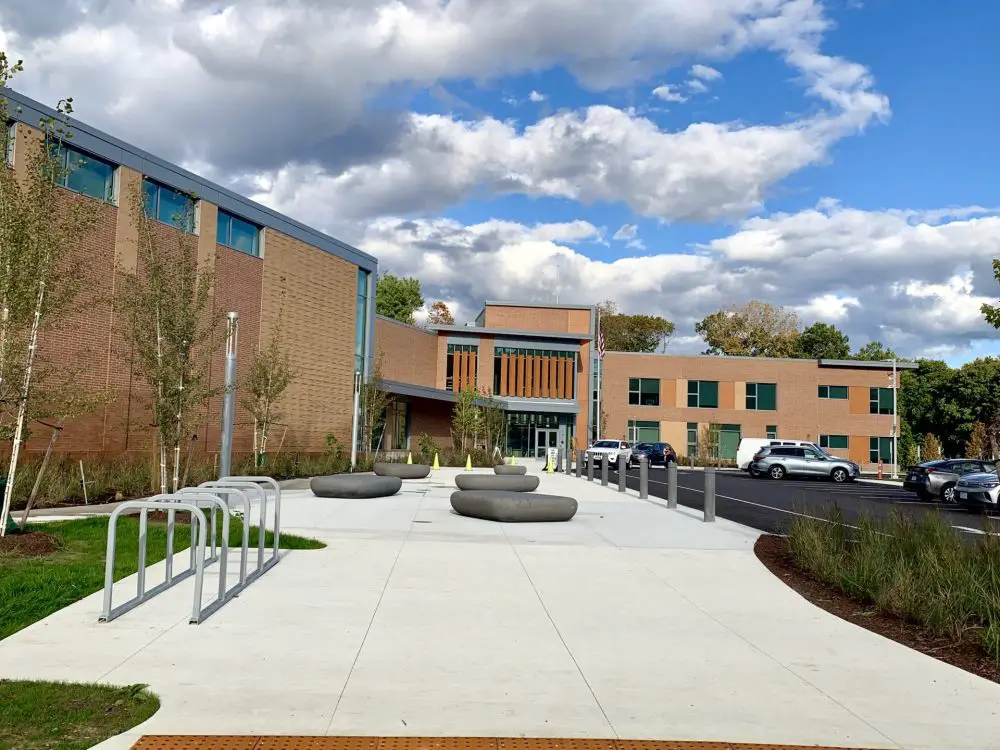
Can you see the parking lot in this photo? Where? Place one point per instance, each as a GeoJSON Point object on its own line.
{"type": "Point", "coordinates": [769, 505]}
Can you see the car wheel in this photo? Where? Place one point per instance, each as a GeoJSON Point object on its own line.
{"type": "Point", "coordinates": [776, 472]}
{"type": "Point", "coordinates": [839, 475]}
{"type": "Point", "coordinates": [948, 493]}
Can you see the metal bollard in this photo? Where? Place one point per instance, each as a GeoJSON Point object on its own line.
{"type": "Point", "coordinates": [691, 461]}
{"type": "Point", "coordinates": [672, 485]}
{"type": "Point", "coordinates": [604, 470]}
{"type": "Point", "coordinates": [590, 468]}
{"type": "Point", "coordinates": [643, 478]}
{"type": "Point", "coordinates": [709, 495]}
{"type": "Point", "coordinates": [579, 463]}
{"type": "Point", "coordinates": [622, 472]}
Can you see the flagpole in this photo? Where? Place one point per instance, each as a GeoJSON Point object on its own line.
{"type": "Point", "coordinates": [597, 417]}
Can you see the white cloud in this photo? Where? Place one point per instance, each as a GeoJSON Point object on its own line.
{"type": "Point", "coordinates": [876, 274]}
{"type": "Point", "coordinates": [536, 97]}
{"type": "Point", "coordinates": [705, 73]}
{"type": "Point", "coordinates": [695, 86]}
{"type": "Point", "coordinates": [629, 234]}
{"type": "Point", "coordinates": [669, 93]}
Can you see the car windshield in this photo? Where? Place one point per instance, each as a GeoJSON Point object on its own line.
{"type": "Point", "coordinates": [644, 447]}
{"type": "Point", "coordinates": [606, 444]}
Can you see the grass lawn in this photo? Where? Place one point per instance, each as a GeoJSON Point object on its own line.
{"type": "Point", "coordinates": [64, 716]}
{"type": "Point", "coordinates": [32, 588]}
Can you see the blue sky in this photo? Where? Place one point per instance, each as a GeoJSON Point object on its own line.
{"type": "Point", "coordinates": [840, 161]}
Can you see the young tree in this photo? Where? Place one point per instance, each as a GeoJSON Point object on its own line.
{"type": "Point", "coordinates": [493, 419]}
{"type": "Point", "coordinates": [374, 400]}
{"type": "Point", "coordinates": [466, 420]}
{"type": "Point", "coordinates": [823, 341]}
{"type": "Point", "coordinates": [931, 448]}
{"type": "Point", "coordinates": [755, 329]}
{"type": "Point", "coordinates": [440, 315]}
{"type": "Point", "coordinates": [172, 330]}
{"type": "Point", "coordinates": [268, 376]}
{"type": "Point", "coordinates": [633, 333]}
{"type": "Point", "coordinates": [708, 442]}
{"type": "Point", "coordinates": [397, 298]}
{"type": "Point", "coordinates": [978, 445]}
{"type": "Point", "coordinates": [40, 226]}
{"type": "Point", "coordinates": [875, 351]}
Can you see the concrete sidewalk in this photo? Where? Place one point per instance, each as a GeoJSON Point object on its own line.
{"type": "Point", "coordinates": [631, 621]}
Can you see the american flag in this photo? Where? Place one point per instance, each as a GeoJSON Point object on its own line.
{"type": "Point", "coordinates": [600, 343]}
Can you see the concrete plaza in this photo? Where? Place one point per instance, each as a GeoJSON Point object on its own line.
{"type": "Point", "coordinates": [631, 621]}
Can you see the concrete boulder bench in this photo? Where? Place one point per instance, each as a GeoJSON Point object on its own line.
{"type": "Point", "coordinates": [492, 482]}
{"type": "Point", "coordinates": [403, 471]}
{"type": "Point", "coordinates": [504, 470]}
{"type": "Point", "coordinates": [355, 486]}
{"type": "Point", "coordinates": [513, 507]}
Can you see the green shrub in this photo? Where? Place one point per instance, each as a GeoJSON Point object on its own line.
{"type": "Point", "coordinates": [919, 569]}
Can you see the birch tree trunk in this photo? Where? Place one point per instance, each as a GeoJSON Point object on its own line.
{"type": "Point", "coordinates": [41, 473]}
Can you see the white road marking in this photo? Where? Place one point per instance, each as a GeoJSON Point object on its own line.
{"type": "Point", "coordinates": [969, 530]}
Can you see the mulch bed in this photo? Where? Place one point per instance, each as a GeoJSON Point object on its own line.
{"type": "Point", "coordinates": [31, 544]}
{"type": "Point", "coordinates": [966, 653]}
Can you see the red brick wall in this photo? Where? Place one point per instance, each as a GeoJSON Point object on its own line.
{"type": "Point", "coordinates": [432, 417]}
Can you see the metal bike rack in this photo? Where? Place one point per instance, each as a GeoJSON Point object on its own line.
{"type": "Point", "coordinates": [247, 482]}
{"type": "Point", "coordinates": [198, 520]}
{"type": "Point", "coordinates": [201, 498]}
{"type": "Point", "coordinates": [245, 501]}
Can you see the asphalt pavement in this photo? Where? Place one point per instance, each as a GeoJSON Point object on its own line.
{"type": "Point", "coordinates": [770, 505]}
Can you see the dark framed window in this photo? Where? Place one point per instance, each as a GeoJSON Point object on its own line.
{"type": "Point", "coordinates": [360, 321]}
{"type": "Point", "coordinates": [834, 441]}
{"type": "Point", "coordinates": [837, 392]}
{"type": "Point", "coordinates": [454, 349]}
{"type": "Point", "coordinates": [86, 174]}
{"type": "Point", "coordinates": [644, 391]}
{"type": "Point", "coordinates": [238, 233]}
{"type": "Point", "coordinates": [643, 432]}
{"type": "Point", "coordinates": [692, 438]}
{"type": "Point", "coordinates": [771, 432]}
{"type": "Point", "coordinates": [880, 400]}
{"type": "Point", "coordinates": [703, 394]}
{"type": "Point", "coordinates": [880, 449]}
{"type": "Point", "coordinates": [168, 205]}
{"type": "Point", "coordinates": [762, 396]}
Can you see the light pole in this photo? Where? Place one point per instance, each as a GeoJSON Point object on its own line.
{"type": "Point", "coordinates": [895, 425]}
{"type": "Point", "coordinates": [354, 420]}
{"type": "Point", "coordinates": [229, 399]}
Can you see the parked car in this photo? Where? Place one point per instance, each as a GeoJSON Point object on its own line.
{"type": "Point", "coordinates": [655, 453]}
{"type": "Point", "coordinates": [938, 479]}
{"type": "Point", "coordinates": [779, 461]}
{"type": "Point", "coordinates": [749, 447]}
{"type": "Point", "coordinates": [979, 492]}
{"type": "Point", "coordinates": [610, 448]}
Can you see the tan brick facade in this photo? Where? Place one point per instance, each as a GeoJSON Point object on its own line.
{"type": "Point", "coordinates": [409, 354]}
{"type": "Point", "coordinates": [555, 319]}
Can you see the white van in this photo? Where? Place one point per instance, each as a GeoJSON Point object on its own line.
{"type": "Point", "coordinates": [750, 446]}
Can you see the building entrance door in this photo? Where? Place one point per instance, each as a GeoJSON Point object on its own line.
{"type": "Point", "coordinates": [545, 438]}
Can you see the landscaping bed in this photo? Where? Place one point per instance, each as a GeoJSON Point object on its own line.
{"type": "Point", "coordinates": [916, 583]}
{"type": "Point", "coordinates": [33, 586]}
{"type": "Point", "coordinates": [64, 716]}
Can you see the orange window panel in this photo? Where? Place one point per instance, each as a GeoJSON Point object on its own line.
{"type": "Point", "coordinates": [536, 363]}
{"type": "Point", "coordinates": [529, 378]}
{"type": "Point", "coordinates": [553, 376]}
{"type": "Point", "coordinates": [503, 374]}
{"type": "Point", "coordinates": [471, 370]}
{"type": "Point", "coordinates": [522, 369]}
{"type": "Point", "coordinates": [511, 375]}
{"type": "Point", "coordinates": [568, 377]}
{"type": "Point", "coordinates": [456, 370]}
{"type": "Point", "coordinates": [546, 388]}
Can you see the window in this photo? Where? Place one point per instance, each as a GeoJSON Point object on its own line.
{"type": "Point", "coordinates": [771, 432]}
{"type": "Point", "coordinates": [394, 437]}
{"type": "Point", "coordinates": [643, 432]}
{"type": "Point", "coordinates": [85, 174]}
{"type": "Point", "coordinates": [692, 439]}
{"type": "Point", "coordinates": [833, 441]}
{"type": "Point", "coordinates": [703, 394]}
{"type": "Point", "coordinates": [361, 321]}
{"type": "Point", "coordinates": [168, 205]}
{"type": "Point", "coordinates": [838, 392]}
{"type": "Point", "coordinates": [238, 234]}
{"type": "Point", "coordinates": [452, 367]}
{"type": "Point", "coordinates": [644, 391]}
{"type": "Point", "coordinates": [880, 449]}
{"type": "Point", "coordinates": [762, 396]}
{"type": "Point", "coordinates": [880, 401]}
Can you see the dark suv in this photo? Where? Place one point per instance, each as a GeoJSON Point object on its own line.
{"type": "Point", "coordinates": [655, 453]}
{"type": "Point", "coordinates": [937, 479]}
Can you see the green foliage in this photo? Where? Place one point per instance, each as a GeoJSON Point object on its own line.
{"type": "Point", "coordinates": [916, 568]}
{"type": "Point", "coordinates": [633, 333]}
{"type": "Point", "coordinates": [992, 312]}
{"type": "Point", "coordinates": [907, 444]}
{"type": "Point", "coordinates": [931, 448]}
{"type": "Point", "coordinates": [398, 298]}
{"type": "Point", "coordinates": [755, 329]}
{"type": "Point", "coordinates": [823, 341]}
{"type": "Point", "coordinates": [978, 444]}
{"type": "Point", "coordinates": [466, 420]}
{"type": "Point", "coordinates": [427, 448]}
{"type": "Point", "coordinates": [874, 351]}
{"type": "Point", "coordinates": [67, 716]}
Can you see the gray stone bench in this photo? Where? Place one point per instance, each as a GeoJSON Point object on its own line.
{"type": "Point", "coordinates": [403, 471]}
{"type": "Point", "coordinates": [493, 482]}
{"type": "Point", "coordinates": [508, 470]}
{"type": "Point", "coordinates": [513, 507]}
{"type": "Point", "coordinates": [354, 486]}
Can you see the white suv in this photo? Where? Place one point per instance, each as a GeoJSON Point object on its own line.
{"type": "Point", "coordinates": [610, 448]}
